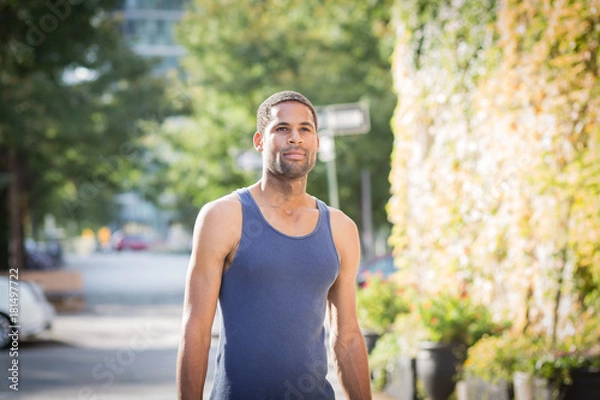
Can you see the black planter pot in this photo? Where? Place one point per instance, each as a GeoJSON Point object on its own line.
{"type": "Point", "coordinates": [371, 339]}
{"type": "Point", "coordinates": [585, 386]}
{"type": "Point", "coordinates": [437, 365]}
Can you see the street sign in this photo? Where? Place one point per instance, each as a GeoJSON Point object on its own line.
{"type": "Point", "coordinates": [344, 119]}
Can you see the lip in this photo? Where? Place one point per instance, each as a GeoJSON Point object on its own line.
{"type": "Point", "coordinates": [294, 155]}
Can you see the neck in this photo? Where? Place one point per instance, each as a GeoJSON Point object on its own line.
{"type": "Point", "coordinates": [282, 192]}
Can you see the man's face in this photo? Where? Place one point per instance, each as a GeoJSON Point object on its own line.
{"type": "Point", "coordinates": [290, 142]}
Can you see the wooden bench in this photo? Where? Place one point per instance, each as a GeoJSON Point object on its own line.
{"type": "Point", "coordinates": [64, 289]}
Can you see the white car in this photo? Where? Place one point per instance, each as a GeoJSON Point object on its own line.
{"type": "Point", "coordinates": [34, 314]}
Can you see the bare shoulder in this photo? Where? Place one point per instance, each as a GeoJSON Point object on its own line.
{"type": "Point", "coordinates": [345, 237]}
{"type": "Point", "coordinates": [219, 224]}
{"type": "Point", "coordinates": [341, 223]}
{"type": "Point", "coordinates": [225, 209]}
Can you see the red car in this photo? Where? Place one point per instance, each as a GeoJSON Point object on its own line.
{"type": "Point", "coordinates": [381, 265]}
{"type": "Point", "coordinates": [128, 242]}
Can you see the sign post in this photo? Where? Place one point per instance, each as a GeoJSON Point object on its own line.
{"type": "Point", "coordinates": [327, 155]}
{"type": "Point", "coordinates": [337, 120]}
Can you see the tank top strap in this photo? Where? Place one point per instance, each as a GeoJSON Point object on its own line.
{"type": "Point", "coordinates": [322, 207]}
{"type": "Point", "coordinates": [244, 195]}
{"type": "Point", "coordinates": [249, 206]}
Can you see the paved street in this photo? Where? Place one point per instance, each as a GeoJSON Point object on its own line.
{"type": "Point", "coordinates": [115, 352]}
{"type": "Point", "coordinates": [123, 346]}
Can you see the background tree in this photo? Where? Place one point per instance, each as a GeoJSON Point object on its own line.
{"type": "Point", "coordinates": [72, 96]}
{"type": "Point", "coordinates": [240, 52]}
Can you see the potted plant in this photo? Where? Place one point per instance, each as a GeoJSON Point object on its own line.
{"type": "Point", "coordinates": [538, 368]}
{"type": "Point", "coordinates": [453, 322]}
{"type": "Point", "coordinates": [393, 360]}
{"type": "Point", "coordinates": [574, 374]}
{"type": "Point", "coordinates": [572, 366]}
{"type": "Point", "coordinates": [379, 301]}
{"type": "Point", "coordinates": [450, 318]}
{"type": "Point", "coordinates": [494, 363]}
{"type": "Point", "coordinates": [488, 369]}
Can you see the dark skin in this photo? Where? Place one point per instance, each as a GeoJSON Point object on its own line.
{"type": "Point", "coordinates": [289, 146]}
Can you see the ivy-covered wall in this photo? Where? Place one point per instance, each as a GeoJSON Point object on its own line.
{"type": "Point", "coordinates": [496, 169]}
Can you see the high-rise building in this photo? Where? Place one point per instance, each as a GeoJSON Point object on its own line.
{"type": "Point", "coordinates": [148, 26]}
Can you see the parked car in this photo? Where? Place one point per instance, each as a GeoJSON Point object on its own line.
{"type": "Point", "coordinates": [380, 265]}
{"type": "Point", "coordinates": [35, 314]}
{"type": "Point", "coordinates": [43, 255]}
{"type": "Point", "coordinates": [129, 242]}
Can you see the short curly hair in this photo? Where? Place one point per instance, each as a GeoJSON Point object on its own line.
{"type": "Point", "coordinates": [263, 115]}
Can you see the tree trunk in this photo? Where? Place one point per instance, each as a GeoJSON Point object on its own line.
{"type": "Point", "coordinates": [4, 228]}
{"type": "Point", "coordinates": [16, 209]}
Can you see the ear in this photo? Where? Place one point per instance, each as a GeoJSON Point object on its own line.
{"type": "Point", "coordinates": [318, 143]}
{"type": "Point", "coordinates": [257, 139]}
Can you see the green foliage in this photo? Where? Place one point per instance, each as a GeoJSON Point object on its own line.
{"type": "Point", "coordinates": [77, 140]}
{"type": "Point", "coordinates": [498, 358]}
{"type": "Point", "coordinates": [402, 339]}
{"type": "Point", "coordinates": [450, 318]}
{"type": "Point", "coordinates": [495, 358]}
{"type": "Point", "coordinates": [193, 158]}
{"type": "Point", "coordinates": [378, 304]}
{"type": "Point", "coordinates": [495, 167]}
{"type": "Point", "coordinates": [581, 350]}
{"type": "Point", "coordinates": [386, 350]}
{"type": "Point", "coordinates": [241, 52]}
{"type": "Point", "coordinates": [489, 360]}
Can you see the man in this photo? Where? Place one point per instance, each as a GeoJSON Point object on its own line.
{"type": "Point", "coordinates": [274, 258]}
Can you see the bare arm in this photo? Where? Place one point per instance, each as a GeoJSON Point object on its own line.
{"type": "Point", "coordinates": [350, 353]}
{"type": "Point", "coordinates": [214, 240]}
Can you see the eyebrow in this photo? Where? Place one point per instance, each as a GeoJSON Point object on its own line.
{"type": "Point", "coordinates": [305, 123]}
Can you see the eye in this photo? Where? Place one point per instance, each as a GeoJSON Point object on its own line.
{"type": "Point", "coordinates": [281, 129]}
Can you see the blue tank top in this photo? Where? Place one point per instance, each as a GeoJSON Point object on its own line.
{"type": "Point", "coordinates": [273, 299]}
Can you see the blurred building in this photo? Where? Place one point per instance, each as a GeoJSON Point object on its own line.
{"type": "Point", "coordinates": [148, 26]}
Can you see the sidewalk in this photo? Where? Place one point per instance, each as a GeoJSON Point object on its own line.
{"type": "Point", "coordinates": [381, 396]}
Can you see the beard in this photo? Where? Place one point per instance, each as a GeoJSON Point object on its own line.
{"type": "Point", "coordinates": [291, 169]}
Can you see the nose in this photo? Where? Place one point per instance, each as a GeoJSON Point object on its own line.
{"type": "Point", "coordinates": [295, 136]}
